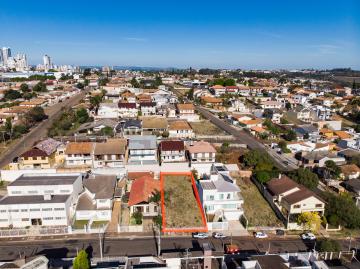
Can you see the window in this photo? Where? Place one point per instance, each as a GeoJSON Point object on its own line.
{"type": "Point", "coordinates": [49, 191]}
{"type": "Point", "coordinates": [24, 210]}
{"type": "Point", "coordinates": [3, 220]}
{"type": "Point", "coordinates": [48, 218]}
{"type": "Point", "coordinates": [319, 205]}
{"type": "Point", "coordinates": [228, 196]}
{"type": "Point", "coordinates": [209, 207]}
{"type": "Point", "coordinates": [16, 192]}
{"type": "Point", "coordinates": [221, 196]}
{"type": "Point", "coordinates": [2, 211]}
{"type": "Point", "coordinates": [60, 218]}
{"type": "Point", "coordinates": [297, 206]}
{"type": "Point", "coordinates": [43, 158]}
{"type": "Point", "coordinates": [147, 209]}
{"type": "Point", "coordinates": [64, 191]}
{"type": "Point", "coordinates": [32, 192]}
{"type": "Point", "coordinates": [210, 197]}
{"type": "Point", "coordinates": [59, 209]}
{"type": "Point", "coordinates": [34, 209]}
{"type": "Point", "coordinates": [13, 210]}
{"type": "Point", "coordinates": [25, 219]}
{"type": "Point", "coordinates": [47, 209]}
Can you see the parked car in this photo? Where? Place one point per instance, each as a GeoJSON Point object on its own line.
{"type": "Point", "coordinates": [232, 249]}
{"type": "Point", "coordinates": [200, 235]}
{"type": "Point", "coordinates": [260, 235]}
{"type": "Point", "coordinates": [280, 232]}
{"type": "Point", "coordinates": [219, 235]}
{"type": "Point", "coordinates": [308, 236]}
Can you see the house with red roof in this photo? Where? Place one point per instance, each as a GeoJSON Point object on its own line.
{"type": "Point", "coordinates": [172, 151]}
{"type": "Point", "coordinates": [142, 189]}
{"type": "Point", "coordinates": [34, 159]}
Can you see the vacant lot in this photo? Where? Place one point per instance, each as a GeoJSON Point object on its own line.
{"type": "Point", "coordinates": [257, 210]}
{"type": "Point", "coordinates": [181, 207]}
{"type": "Point", "coordinates": [205, 127]}
{"type": "Point", "coordinates": [230, 155]}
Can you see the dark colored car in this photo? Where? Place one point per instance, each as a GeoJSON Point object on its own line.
{"type": "Point", "coordinates": [280, 232]}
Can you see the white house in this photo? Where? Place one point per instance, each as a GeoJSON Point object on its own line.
{"type": "Point", "coordinates": [96, 202]}
{"type": "Point", "coordinates": [220, 196]}
{"type": "Point", "coordinates": [108, 110]}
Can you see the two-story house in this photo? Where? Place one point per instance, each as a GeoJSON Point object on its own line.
{"type": "Point", "coordinates": [180, 129]}
{"type": "Point", "coordinates": [96, 202]}
{"type": "Point", "coordinates": [148, 108]}
{"type": "Point", "coordinates": [34, 159]}
{"type": "Point", "coordinates": [127, 110]}
{"type": "Point", "coordinates": [79, 154]}
{"type": "Point", "coordinates": [172, 151]}
{"type": "Point", "coordinates": [201, 152]}
{"type": "Point", "coordinates": [293, 199]}
{"type": "Point", "coordinates": [187, 112]}
{"type": "Point", "coordinates": [220, 197]}
{"type": "Point", "coordinates": [110, 153]}
{"type": "Point", "coordinates": [142, 149]}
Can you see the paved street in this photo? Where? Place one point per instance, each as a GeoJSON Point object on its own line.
{"type": "Point", "coordinates": [57, 248]}
{"type": "Point", "coordinates": [39, 131]}
{"type": "Point", "coordinates": [245, 138]}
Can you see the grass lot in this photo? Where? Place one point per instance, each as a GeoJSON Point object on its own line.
{"type": "Point", "coordinates": [79, 224]}
{"type": "Point", "coordinates": [230, 155]}
{"type": "Point", "coordinates": [181, 207]}
{"type": "Point", "coordinates": [205, 127]}
{"type": "Point", "coordinates": [257, 210]}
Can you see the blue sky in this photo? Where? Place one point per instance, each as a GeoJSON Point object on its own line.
{"type": "Point", "coordinates": [227, 34]}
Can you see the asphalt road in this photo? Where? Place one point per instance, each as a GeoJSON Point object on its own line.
{"type": "Point", "coordinates": [245, 138]}
{"type": "Point", "coordinates": [40, 130]}
{"type": "Point", "coordinates": [66, 248]}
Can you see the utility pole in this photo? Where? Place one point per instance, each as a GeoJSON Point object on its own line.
{"type": "Point", "coordinates": [159, 241]}
{"type": "Point", "coordinates": [350, 241]}
{"type": "Point", "coordinates": [100, 244]}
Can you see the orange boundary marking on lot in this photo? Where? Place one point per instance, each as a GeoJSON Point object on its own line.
{"type": "Point", "coordinates": [197, 197]}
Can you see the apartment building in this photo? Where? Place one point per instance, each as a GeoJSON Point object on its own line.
{"type": "Point", "coordinates": [40, 200]}
{"type": "Point", "coordinates": [142, 149]}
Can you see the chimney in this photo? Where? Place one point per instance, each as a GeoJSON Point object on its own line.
{"type": "Point", "coordinates": [47, 197]}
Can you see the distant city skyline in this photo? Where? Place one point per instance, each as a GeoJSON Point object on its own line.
{"type": "Point", "coordinates": [232, 34]}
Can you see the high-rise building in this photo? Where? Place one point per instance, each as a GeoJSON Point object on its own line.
{"type": "Point", "coordinates": [6, 54]}
{"type": "Point", "coordinates": [47, 62]}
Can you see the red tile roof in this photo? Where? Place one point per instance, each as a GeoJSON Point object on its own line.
{"type": "Point", "coordinates": [34, 153]}
{"type": "Point", "coordinates": [127, 105]}
{"type": "Point", "coordinates": [142, 189]}
{"type": "Point", "coordinates": [172, 145]}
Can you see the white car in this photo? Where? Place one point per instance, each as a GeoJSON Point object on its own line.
{"type": "Point", "coordinates": [308, 236]}
{"type": "Point", "coordinates": [219, 235]}
{"type": "Point", "coordinates": [200, 235]}
{"type": "Point", "coordinates": [260, 235]}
